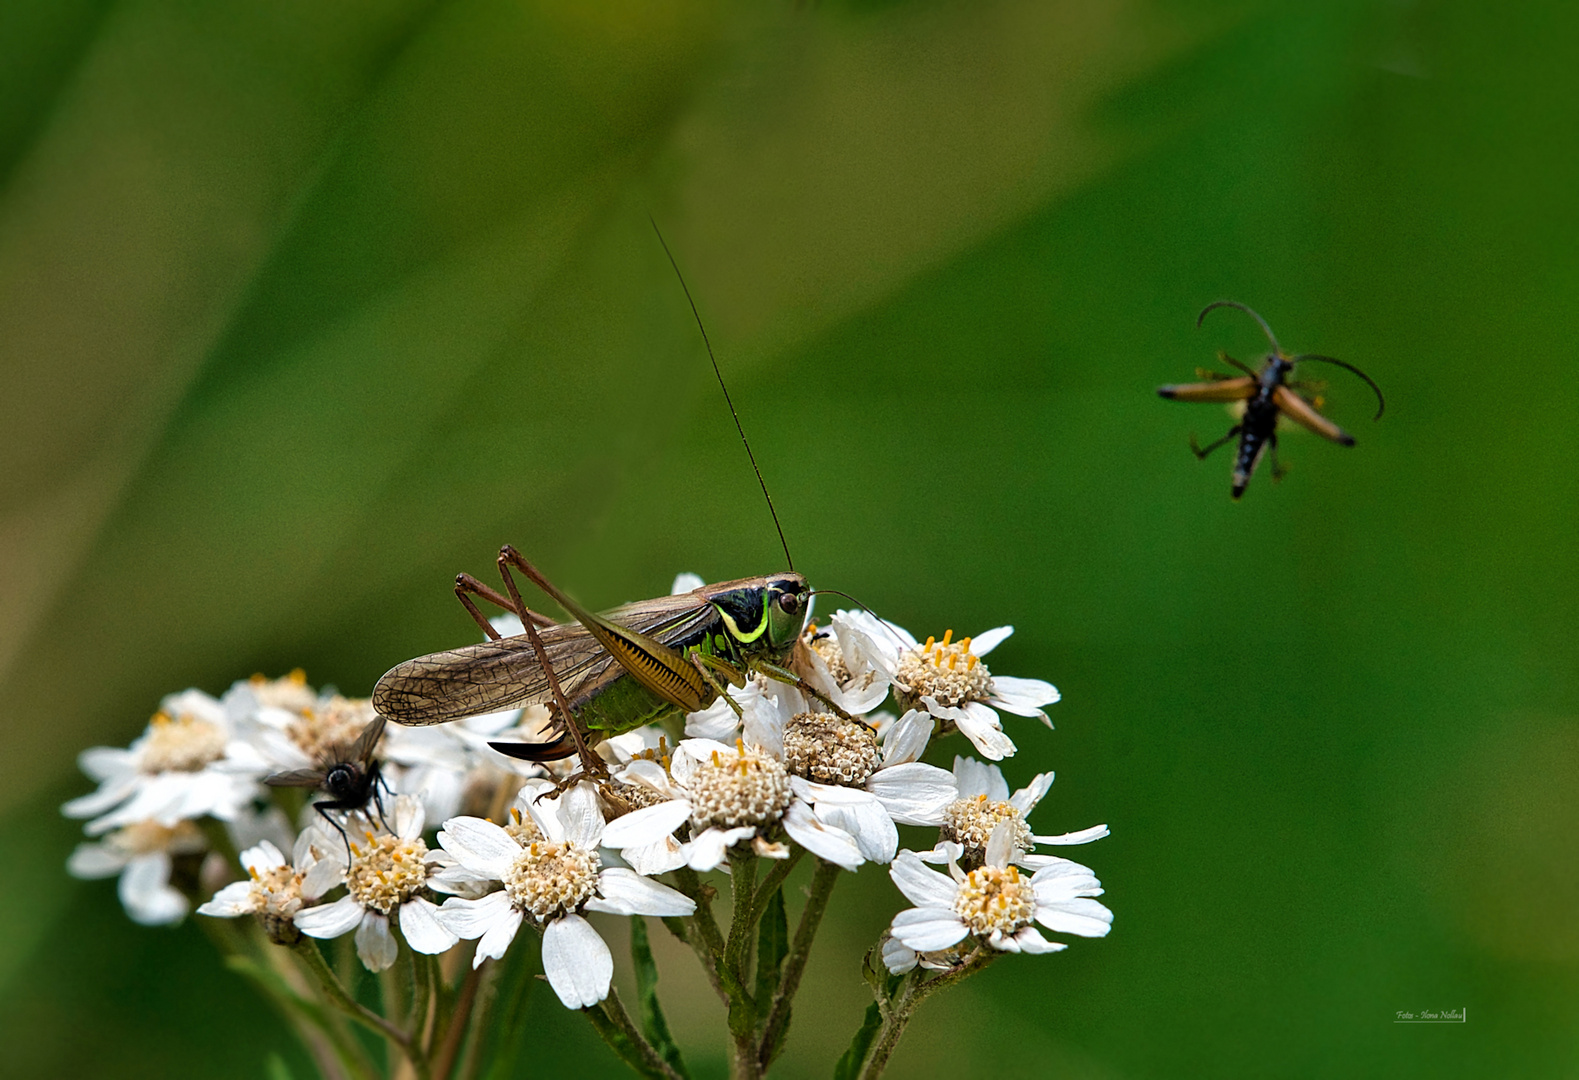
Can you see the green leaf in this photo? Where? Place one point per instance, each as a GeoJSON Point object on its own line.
{"type": "Point", "coordinates": [275, 1068]}
{"type": "Point", "coordinates": [849, 1065]}
{"type": "Point", "coordinates": [772, 945]}
{"type": "Point", "coordinates": [653, 1024]}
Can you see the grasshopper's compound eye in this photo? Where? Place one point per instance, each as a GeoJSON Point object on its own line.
{"type": "Point", "coordinates": [789, 603]}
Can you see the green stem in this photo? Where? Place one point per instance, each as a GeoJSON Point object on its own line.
{"type": "Point", "coordinates": [742, 883]}
{"type": "Point", "coordinates": [777, 1025]}
{"type": "Point", "coordinates": [307, 949]}
{"type": "Point", "coordinates": [450, 1044]}
{"type": "Point", "coordinates": [772, 881]}
{"type": "Point", "coordinates": [420, 975]}
{"type": "Point", "coordinates": [897, 1018]}
{"type": "Point", "coordinates": [614, 1024]}
{"type": "Point", "coordinates": [701, 930]}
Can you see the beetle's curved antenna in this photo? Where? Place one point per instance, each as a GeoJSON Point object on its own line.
{"type": "Point", "coordinates": [727, 400]}
{"type": "Point", "coordinates": [1381, 402]}
{"type": "Point", "coordinates": [1265, 329]}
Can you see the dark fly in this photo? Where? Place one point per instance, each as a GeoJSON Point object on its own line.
{"type": "Point", "coordinates": [1267, 394]}
{"type": "Point", "coordinates": [350, 776]}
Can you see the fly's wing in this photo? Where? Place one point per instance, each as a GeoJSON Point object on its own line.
{"type": "Point", "coordinates": [296, 778]}
{"type": "Point", "coordinates": [1241, 389]}
{"type": "Point", "coordinates": [495, 675]}
{"type": "Point", "coordinates": [1304, 413]}
{"type": "Point", "coordinates": [362, 749]}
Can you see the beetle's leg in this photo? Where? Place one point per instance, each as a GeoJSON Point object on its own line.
{"type": "Point", "coordinates": [788, 677]}
{"type": "Point", "coordinates": [1200, 453]}
{"type": "Point", "coordinates": [1279, 470]}
{"type": "Point", "coordinates": [465, 583]}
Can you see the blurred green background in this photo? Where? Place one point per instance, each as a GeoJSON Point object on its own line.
{"type": "Point", "coordinates": [305, 307]}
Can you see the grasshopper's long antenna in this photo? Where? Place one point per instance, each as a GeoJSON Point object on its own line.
{"type": "Point", "coordinates": [1265, 329]}
{"type": "Point", "coordinates": [727, 400]}
{"type": "Point", "coordinates": [1381, 403]}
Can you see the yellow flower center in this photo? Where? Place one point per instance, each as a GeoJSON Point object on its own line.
{"type": "Point", "coordinates": [749, 789]}
{"type": "Point", "coordinates": [386, 871]}
{"type": "Point", "coordinates": [551, 879]}
{"type": "Point", "coordinates": [948, 672]}
{"type": "Point", "coordinates": [971, 821]}
{"type": "Point", "coordinates": [181, 744]}
{"type": "Point", "coordinates": [831, 750]}
{"type": "Point", "coordinates": [995, 898]}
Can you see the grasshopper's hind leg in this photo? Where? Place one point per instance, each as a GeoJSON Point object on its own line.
{"type": "Point", "coordinates": [467, 586]}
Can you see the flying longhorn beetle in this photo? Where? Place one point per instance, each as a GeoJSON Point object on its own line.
{"type": "Point", "coordinates": [1267, 394]}
{"type": "Point", "coordinates": [611, 672]}
{"type": "Point", "coordinates": [350, 776]}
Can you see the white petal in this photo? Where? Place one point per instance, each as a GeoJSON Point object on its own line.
{"type": "Point", "coordinates": [717, 721]}
{"type": "Point", "coordinates": [1000, 843]}
{"type": "Point", "coordinates": [988, 640]}
{"type": "Point", "coordinates": [577, 962]}
{"type": "Point", "coordinates": [979, 724]}
{"type": "Point", "coordinates": [1084, 836]}
{"type": "Point", "coordinates": [1034, 943]}
{"type": "Point", "coordinates": [93, 861]}
{"type": "Point", "coordinates": [480, 846]}
{"type": "Point", "coordinates": [375, 945]}
{"type": "Point", "coordinates": [656, 858]}
{"type": "Point", "coordinates": [324, 875]}
{"type": "Point", "coordinates": [686, 582]}
{"type": "Point", "coordinates": [706, 851]}
{"type": "Point", "coordinates": [1082, 916]}
{"type": "Point", "coordinates": [914, 793]}
{"type": "Point", "coordinates": [825, 841]}
{"type": "Point", "coordinates": [419, 922]}
{"type": "Point", "coordinates": [233, 900]}
{"type": "Point", "coordinates": [926, 929]}
{"type": "Point", "coordinates": [977, 778]}
{"type": "Point", "coordinates": [897, 956]}
{"type": "Point", "coordinates": [1023, 697]}
{"type": "Point", "coordinates": [146, 893]}
{"type": "Point", "coordinates": [471, 919]}
{"type": "Point", "coordinates": [906, 739]}
{"type": "Point", "coordinates": [1026, 798]}
{"type": "Point", "coordinates": [329, 920]}
{"type": "Point", "coordinates": [265, 856]}
{"type": "Point", "coordinates": [860, 814]}
{"type": "Point", "coordinates": [647, 825]}
{"type": "Point", "coordinates": [408, 817]}
{"type": "Point", "coordinates": [922, 885]}
{"type": "Point", "coordinates": [502, 931]}
{"type": "Point", "coordinates": [103, 762]}
{"type": "Point", "coordinates": [767, 850]}
{"type": "Point", "coordinates": [111, 794]}
{"type": "Point", "coordinates": [583, 820]}
{"type": "Point", "coordinates": [625, 892]}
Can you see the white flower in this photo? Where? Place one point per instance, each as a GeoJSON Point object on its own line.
{"type": "Point", "coordinates": [275, 889]}
{"type": "Point", "coordinates": [984, 803]}
{"type": "Point", "coordinates": [993, 903]}
{"type": "Point", "coordinates": [141, 854]}
{"type": "Point", "coordinates": [384, 878]}
{"type": "Point", "coordinates": [946, 677]}
{"type": "Point", "coordinates": [728, 794]}
{"type": "Point", "coordinates": [187, 764]}
{"type": "Point", "coordinates": [550, 879]}
{"type": "Point", "coordinates": [848, 780]}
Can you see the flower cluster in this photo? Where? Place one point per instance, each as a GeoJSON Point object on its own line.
{"type": "Point", "coordinates": [455, 847]}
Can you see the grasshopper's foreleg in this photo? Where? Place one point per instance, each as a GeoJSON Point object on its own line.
{"type": "Point", "coordinates": [708, 665]}
{"type": "Point", "coordinates": [789, 678]}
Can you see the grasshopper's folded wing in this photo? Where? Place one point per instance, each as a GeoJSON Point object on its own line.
{"type": "Point", "coordinates": [495, 675]}
{"type": "Point", "coordinates": [1304, 413]}
{"type": "Point", "coordinates": [1241, 389]}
